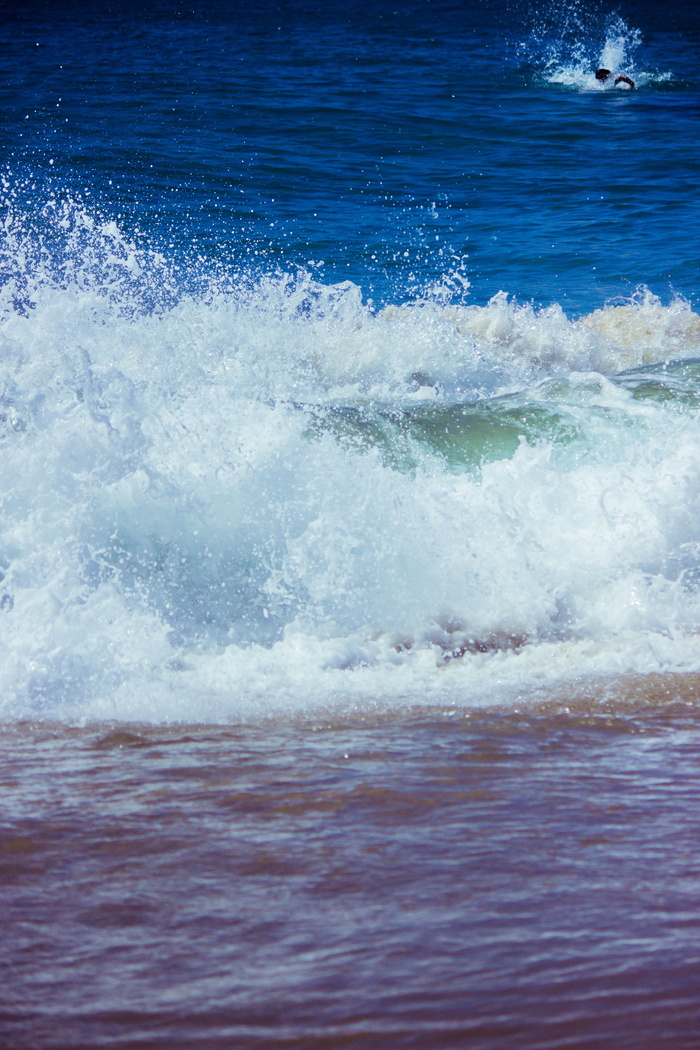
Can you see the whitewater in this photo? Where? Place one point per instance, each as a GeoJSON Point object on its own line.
{"type": "Point", "coordinates": [227, 495]}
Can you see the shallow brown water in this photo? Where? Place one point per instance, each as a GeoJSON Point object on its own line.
{"type": "Point", "coordinates": [430, 879]}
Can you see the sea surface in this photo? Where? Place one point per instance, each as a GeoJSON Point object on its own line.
{"type": "Point", "coordinates": [349, 525]}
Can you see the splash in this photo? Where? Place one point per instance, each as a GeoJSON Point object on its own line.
{"type": "Point", "coordinates": [262, 494]}
{"type": "Point", "coordinates": [569, 42]}
{"type": "Point", "coordinates": [619, 49]}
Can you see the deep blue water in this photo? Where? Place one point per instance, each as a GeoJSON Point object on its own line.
{"type": "Point", "coordinates": [391, 142]}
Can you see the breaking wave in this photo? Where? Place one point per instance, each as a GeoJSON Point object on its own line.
{"type": "Point", "coordinates": [244, 493]}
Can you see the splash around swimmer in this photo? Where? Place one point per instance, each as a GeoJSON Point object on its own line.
{"type": "Point", "coordinates": [620, 81]}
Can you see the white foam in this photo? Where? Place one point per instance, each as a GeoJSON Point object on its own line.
{"type": "Point", "coordinates": [176, 545]}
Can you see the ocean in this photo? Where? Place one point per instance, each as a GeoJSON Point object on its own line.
{"type": "Point", "coordinates": [350, 527]}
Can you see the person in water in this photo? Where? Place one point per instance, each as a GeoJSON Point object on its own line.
{"type": "Point", "coordinates": [604, 76]}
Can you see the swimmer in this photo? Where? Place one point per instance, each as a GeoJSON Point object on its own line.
{"type": "Point", "coordinates": [621, 80]}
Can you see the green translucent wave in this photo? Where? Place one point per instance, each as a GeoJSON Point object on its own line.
{"type": "Point", "coordinates": [462, 436]}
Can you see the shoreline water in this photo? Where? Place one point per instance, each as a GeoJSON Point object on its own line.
{"type": "Point", "coordinates": [425, 879]}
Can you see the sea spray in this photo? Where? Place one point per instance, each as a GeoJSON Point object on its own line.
{"type": "Point", "coordinates": [569, 42]}
{"type": "Point", "coordinates": [266, 492]}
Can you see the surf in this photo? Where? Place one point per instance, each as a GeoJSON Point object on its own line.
{"type": "Point", "coordinates": [250, 492]}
